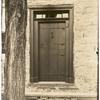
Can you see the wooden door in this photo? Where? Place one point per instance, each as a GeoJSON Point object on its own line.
{"type": "Point", "coordinates": [52, 51]}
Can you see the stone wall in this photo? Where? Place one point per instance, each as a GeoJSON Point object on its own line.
{"type": "Point", "coordinates": [85, 44]}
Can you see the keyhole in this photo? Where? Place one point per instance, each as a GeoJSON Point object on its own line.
{"type": "Point", "coordinates": [52, 35]}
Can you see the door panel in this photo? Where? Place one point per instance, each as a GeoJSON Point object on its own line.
{"type": "Point", "coordinates": [52, 46]}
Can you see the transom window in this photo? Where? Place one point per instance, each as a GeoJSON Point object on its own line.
{"type": "Point", "coordinates": [51, 14]}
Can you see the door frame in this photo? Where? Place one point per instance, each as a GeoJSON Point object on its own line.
{"type": "Point", "coordinates": [70, 75]}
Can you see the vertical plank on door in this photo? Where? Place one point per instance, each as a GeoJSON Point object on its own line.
{"type": "Point", "coordinates": [44, 49]}
{"type": "Point", "coordinates": [53, 52]}
{"type": "Point", "coordinates": [61, 52]}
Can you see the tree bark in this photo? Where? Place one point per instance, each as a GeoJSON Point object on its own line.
{"type": "Point", "coordinates": [16, 20]}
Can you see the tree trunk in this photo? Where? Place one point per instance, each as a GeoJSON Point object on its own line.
{"type": "Point", "coordinates": [16, 19]}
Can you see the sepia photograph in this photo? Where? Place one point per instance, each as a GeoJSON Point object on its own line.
{"type": "Point", "coordinates": [50, 49]}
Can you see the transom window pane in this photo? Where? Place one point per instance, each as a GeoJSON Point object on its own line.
{"type": "Point", "coordinates": [43, 16]}
{"type": "Point", "coordinates": [51, 14]}
{"type": "Point", "coordinates": [59, 16]}
{"type": "Point", "coordinates": [39, 16]}
{"type": "Point", "coordinates": [65, 15]}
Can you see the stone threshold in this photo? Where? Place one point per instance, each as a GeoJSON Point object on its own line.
{"type": "Point", "coordinates": [53, 85]}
